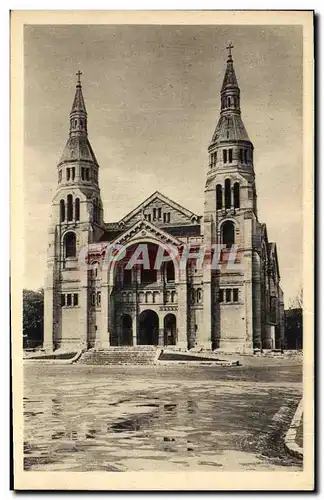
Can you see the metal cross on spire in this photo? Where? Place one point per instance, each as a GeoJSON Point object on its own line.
{"type": "Point", "coordinates": [78, 74]}
{"type": "Point", "coordinates": [229, 48]}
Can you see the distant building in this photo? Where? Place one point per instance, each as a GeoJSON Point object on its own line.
{"type": "Point", "coordinates": [294, 329]}
{"type": "Point", "coordinates": [227, 309]}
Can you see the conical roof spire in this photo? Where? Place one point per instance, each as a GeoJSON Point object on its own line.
{"type": "Point", "coordinates": [230, 126]}
{"type": "Point", "coordinates": [78, 103]}
{"type": "Point", "coordinates": [78, 147]}
{"type": "Point", "coordinates": [230, 80]}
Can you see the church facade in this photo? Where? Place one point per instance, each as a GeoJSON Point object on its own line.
{"type": "Point", "coordinates": [96, 298]}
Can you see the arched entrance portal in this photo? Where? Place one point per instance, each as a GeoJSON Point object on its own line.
{"type": "Point", "coordinates": [148, 328]}
{"type": "Point", "coordinates": [170, 329]}
{"type": "Point", "coordinates": [127, 330]}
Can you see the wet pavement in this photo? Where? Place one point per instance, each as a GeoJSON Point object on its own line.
{"type": "Point", "coordinates": [110, 418]}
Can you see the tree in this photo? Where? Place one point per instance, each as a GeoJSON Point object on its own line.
{"type": "Point", "coordinates": [297, 301]}
{"type": "Point", "coordinates": [294, 322]}
{"type": "Point", "coordinates": [33, 317]}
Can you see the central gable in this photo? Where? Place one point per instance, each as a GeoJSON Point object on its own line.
{"type": "Point", "coordinates": [144, 230]}
{"type": "Point", "coordinates": [160, 210]}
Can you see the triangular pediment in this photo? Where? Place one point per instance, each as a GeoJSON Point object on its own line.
{"type": "Point", "coordinates": [146, 231]}
{"type": "Point", "coordinates": [160, 210]}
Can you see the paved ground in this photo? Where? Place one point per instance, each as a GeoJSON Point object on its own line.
{"type": "Point", "coordinates": [79, 417]}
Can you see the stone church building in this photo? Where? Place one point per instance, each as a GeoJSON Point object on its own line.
{"type": "Point", "coordinates": [234, 308]}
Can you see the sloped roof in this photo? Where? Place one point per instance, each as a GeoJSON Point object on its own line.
{"type": "Point", "coordinates": [78, 148]}
{"type": "Point", "coordinates": [150, 229]}
{"type": "Point", "coordinates": [164, 199]}
{"type": "Point", "coordinates": [78, 103]}
{"type": "Point", "coordinates": [230, 79]}
{"type": "Point", "coordinates": [230, 128]}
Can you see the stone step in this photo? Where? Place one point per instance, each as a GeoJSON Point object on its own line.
{"type": "Point", "coordinates": [143, 355]}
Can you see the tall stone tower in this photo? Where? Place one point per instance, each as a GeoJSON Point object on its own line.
{"type": "Point", "coordinates": [231, 315]}
{"type": "Point", "coordinates": [76, 220]}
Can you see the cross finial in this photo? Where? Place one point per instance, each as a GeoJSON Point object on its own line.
{"type": "Point", "coordinates": [229, 48]}
{"type": "Point", "coordinates": [78, 74]}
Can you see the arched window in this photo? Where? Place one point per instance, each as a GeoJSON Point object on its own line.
{"type": "Point", "coordinates": [62, 210]}
{"type": "Point", "coordinates": [236, 195]}
{"type": "Point", "coordinates": [227, 193]}
{"type": "Point", "coordinates": [70, 245]}
{"type": "Point", "coordinates": [228, 234]}
{"type": "Point", "coordinates": [77, 209]}
{"type": "Point", "coordinates": [219, 197]}
{"type": "Point", "coordinates": [170, 271]}
{"type": "Point", "coordinates": [69, 207]}
{"type": "Point", "coordinates": [228, 102]}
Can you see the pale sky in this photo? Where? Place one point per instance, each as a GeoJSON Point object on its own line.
{"type": "Point", "coordinates": [152, 96]}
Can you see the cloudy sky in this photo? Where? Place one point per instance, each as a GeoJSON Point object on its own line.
{"type": "Point", "coordinates": [152, 96]}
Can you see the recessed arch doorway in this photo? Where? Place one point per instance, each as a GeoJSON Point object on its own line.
{"type": "Point", "coordinates": [148, 328]}
{"type": "Point", "coordinates": [127, 330]}
{"type": "Point", "coordinates": [170, 329]}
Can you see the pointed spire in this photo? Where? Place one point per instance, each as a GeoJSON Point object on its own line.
{"type": "Point", "coordinates": [230, 126]}
{"type": "Point", "coordinates": [78, 103]}
{"type": "Point", "coordinates": [78, 147]}
{"type": "Point", "coordinates": [230, 76]}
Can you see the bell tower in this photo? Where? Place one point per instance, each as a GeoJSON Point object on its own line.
{"type": "Point", "coordinates": [230, 217]}
{"type": "Point", "coordinates": [76, 220]}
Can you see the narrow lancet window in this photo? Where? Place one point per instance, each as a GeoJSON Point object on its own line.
{"type": "Point", "coordinates": [236, 195]}
{"type": "Point", "coordinates": [227, 193]}
{"type": "Point", "coordinates": [219, 197]}
{"type": "Point", "coordinates": [69, 207]}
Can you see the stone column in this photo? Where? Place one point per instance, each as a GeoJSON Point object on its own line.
{"type": "Point", "coordinates": [138, 274]}
{"type": "Point", "coordinates": [161, 336]}
{"type": "Point", "coordinates": [161, 329]}
{"type": "Point", "coordinates": [182, 310]}
{"type": "Point", "coordinates": [135, 325]}
{"type": "Point", "coordinates": [84, 306]}
{"type": "Point", "coordinates": [52, 315]}
{"type": "Point", "coordinates": [205, 332]}
{"type": "Point", "coordinates": [104, 336]}
{"type": "Point", "coordinates": [159, 276]}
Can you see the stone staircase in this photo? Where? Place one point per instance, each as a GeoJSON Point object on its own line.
{"type": "Point", "coordinates": [121, 355]}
